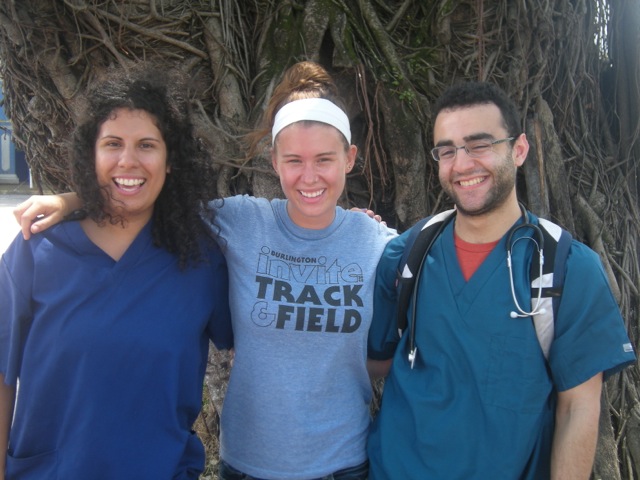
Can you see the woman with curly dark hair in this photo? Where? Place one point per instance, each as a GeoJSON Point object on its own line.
{"type": "Point", "coordinates": [106, 321]}
{"type": "Point", "coordinates": [177, 222]}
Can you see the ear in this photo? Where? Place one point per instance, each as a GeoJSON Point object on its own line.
{"type": "Point", "coordinates": [520, 150]}
{"type": "Point", "coordinates": [351, 157]}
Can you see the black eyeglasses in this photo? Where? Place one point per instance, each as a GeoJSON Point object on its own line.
{"type": "Point", "coordinates": [474, 148]}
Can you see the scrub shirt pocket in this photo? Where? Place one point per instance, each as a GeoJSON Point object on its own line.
{"type": "Point", "coordinates": [43, 466]}
{"type": "Point", "coordinates": [517, 377]}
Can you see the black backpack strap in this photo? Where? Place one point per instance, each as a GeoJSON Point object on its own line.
{"type": "Point", "coordinates": [419, 241]}
{"type": "Point", "coordinates": [404, 283]}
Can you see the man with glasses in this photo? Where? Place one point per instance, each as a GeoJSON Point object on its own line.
{"type": "Point", "coordinates": [476, 398]}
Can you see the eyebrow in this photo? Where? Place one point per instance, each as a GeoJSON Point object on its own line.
{"type": "Point", "coordinates": [321, 154]}
{"type": "Point", "coordinates": [144, 139]}
{"type": "Point", "coordinates": [468, 138]}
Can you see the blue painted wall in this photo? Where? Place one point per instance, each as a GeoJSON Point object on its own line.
{"type": "Point", "coordinates": [13, 167]}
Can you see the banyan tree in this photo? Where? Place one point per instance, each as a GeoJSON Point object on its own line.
{"type": "Point", "coordinates": [572, 66]}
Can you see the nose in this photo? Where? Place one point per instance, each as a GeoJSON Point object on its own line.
{"type": "Point", "coordinates": [463, 160]}
{"type": "Point", "coordinates": [309, 175]}
{"type": "Point", "coordinates": [128, 157]}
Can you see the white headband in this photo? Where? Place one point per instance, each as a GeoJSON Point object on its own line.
{"type": "Point", "coordinates": [316, 109]}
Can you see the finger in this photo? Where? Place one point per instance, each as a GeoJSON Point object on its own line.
{"type": "Point", "coordinates": [23, 219]}
{"type": "Point", "coordinates": [19, 209]}
{"type": "Point", "coordinates": [33, 219]}
{"type": "Point", "coordinates": [42, 222]}
{"type": "Point", "coordinates": [358, 209]}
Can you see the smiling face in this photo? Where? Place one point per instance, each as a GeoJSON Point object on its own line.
{"type": "Point", "coordinates": [131, 163]}
{"type": "Point", "coordinates": [478, 186]}
{"type": "Point", "coordinates": [312, 163]}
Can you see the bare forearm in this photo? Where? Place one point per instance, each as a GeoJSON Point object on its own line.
{"type": "Point", "coordinates": [576, 435]}
{"type": "Point", "coordinates": [573, 450]}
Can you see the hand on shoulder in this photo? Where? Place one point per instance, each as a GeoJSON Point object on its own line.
{"type": "Point", "coordinates": [370, 213]}
{"type": "Point", "coordinates": [40, 212]}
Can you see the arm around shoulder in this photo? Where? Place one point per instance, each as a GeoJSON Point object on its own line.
{"type": "Point", "coordinates": [40, 212]}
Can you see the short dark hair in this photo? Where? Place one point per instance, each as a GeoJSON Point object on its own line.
{"type": "Point", "coordinates": [480, 93]}
{"type": "Point", "coordinates": [178, 225]}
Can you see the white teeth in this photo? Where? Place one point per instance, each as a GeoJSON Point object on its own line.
{"type": "Point", "coordinates": [311, 194]}
{"type": "Point", "coordinates": [468, 183]}
{"type": "Point", "coordinates": [129, 182]}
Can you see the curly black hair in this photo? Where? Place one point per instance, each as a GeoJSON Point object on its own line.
{"type": "Point", "coordinates": [468, 94]}
{"type": "Point", "coordinates": [178, 224]}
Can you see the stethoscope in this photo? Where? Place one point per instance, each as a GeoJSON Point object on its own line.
{"type": "Point", "coordinates": [537, 238]}
{"type": "Point", "coordinates": [539, 243]}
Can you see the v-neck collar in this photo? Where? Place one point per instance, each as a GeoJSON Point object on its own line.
{"type": "Point", "coordinates": [84, 246]}
{"type": "Point", "coordinates": [467, 291]}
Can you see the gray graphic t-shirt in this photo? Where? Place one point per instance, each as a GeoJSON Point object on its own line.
{"type": "Point", "coordinates": [297, 405]}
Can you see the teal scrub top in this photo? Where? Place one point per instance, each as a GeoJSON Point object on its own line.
{"type": "Point", "coordinates": [480, 401]}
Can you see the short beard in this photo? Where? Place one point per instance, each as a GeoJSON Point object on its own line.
{"type": "Point", "coordinates": [505, 178]}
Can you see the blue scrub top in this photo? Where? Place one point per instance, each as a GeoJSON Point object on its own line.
{"type": "Point", "coordinates": [110, 356]}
